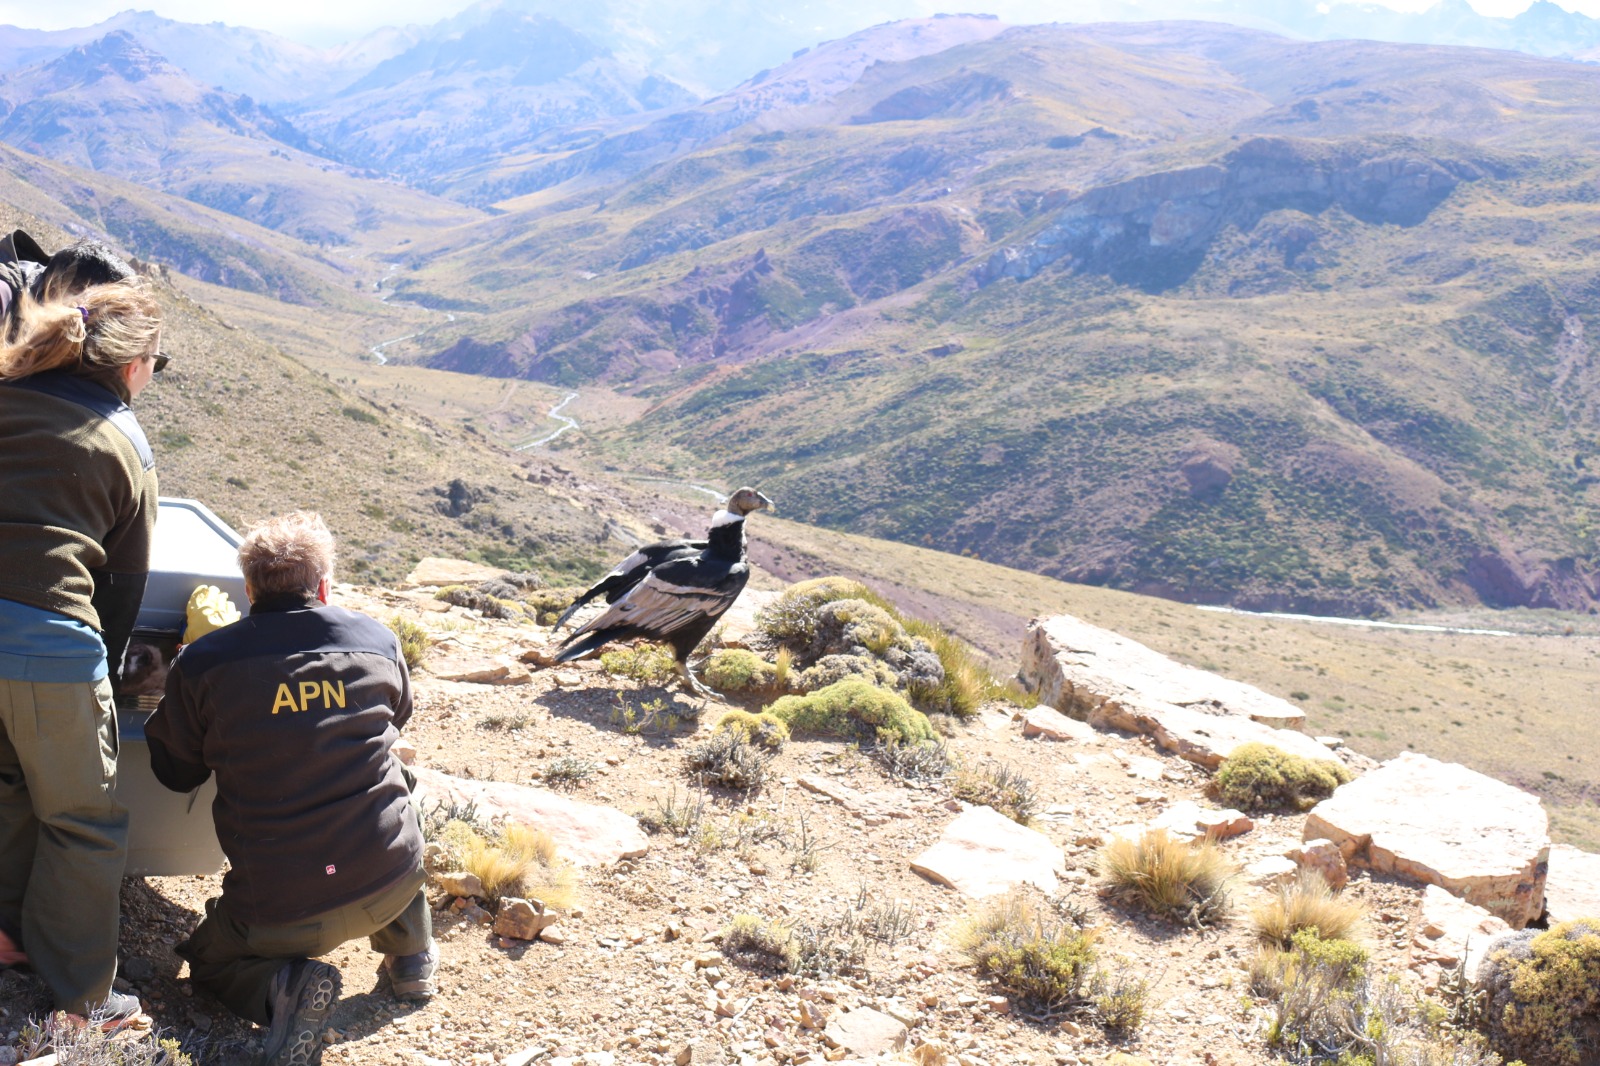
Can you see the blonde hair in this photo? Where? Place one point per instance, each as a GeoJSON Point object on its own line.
{"type": "Point", "coordinates": [102, 330]}
{"type": "Point", "coordinates": [289, 553]}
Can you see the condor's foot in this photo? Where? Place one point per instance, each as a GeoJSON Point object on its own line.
{"type": "Point", "coordinates": [689, 681]}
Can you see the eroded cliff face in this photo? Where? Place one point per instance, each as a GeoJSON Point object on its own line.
{"type": "Point", "coordinates": [1153, 231]}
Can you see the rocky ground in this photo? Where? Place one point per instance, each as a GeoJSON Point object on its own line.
{"type": "Point", "coordinates": [635, 974]}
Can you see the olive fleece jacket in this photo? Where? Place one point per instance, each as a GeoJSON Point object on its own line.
{"type": "Point", "coordinates": [78, 499]}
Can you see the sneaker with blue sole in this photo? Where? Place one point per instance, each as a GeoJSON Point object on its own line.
{"type": "Point", "coordinates": [303, 996]}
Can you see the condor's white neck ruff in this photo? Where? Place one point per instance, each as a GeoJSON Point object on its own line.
{"type": "Point", "coordinates": [725, 518]}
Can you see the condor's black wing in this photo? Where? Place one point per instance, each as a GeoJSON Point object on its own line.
{"type": "Point", "coordinates": [632, 570]}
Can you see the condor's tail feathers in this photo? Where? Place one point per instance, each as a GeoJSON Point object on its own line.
{"type": "Point", "coordinates": [581, 644]}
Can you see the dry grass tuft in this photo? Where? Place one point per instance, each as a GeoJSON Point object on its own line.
{"type": "Point", "coordinates": [1168, 877]}
{"type": "Point", "coordinates": [1308, 903]}
{"type": "Point", "coordinates": [522, 862]}
{"type": "Point", "coordinates": [414, 641]}
{"type": "Point", "coordinates": [999, 786]}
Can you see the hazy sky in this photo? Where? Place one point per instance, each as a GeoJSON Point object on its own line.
{"type": "Point", "coordinates": [322, 22]}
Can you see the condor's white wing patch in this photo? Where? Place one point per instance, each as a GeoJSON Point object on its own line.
{"type": "Point", "coordinates": [663, 607]}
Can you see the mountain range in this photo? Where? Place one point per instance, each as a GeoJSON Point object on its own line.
{"type": "Point", "coordinates": [1177, 307]}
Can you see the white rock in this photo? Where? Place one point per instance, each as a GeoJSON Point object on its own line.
{"type": "Point", "coordinates": [1451, 929]}
{"type": "Point", "coordinates": [585, 833]}
{"type": "Point", "coordinates": [1440, 823]}
{"type": "Point", "coordinates": [865, 1032]}
{"type": "Point", "coordinates": [1073, 664]}
{"type": "Point", "coordinates": [442, 572]}
{"type": "Point", "coordinates": [984, 853]}
{"type": "Point", "coordinates": [1272, 871]}
{"type": "Point", "coordinates": [1051, 724]}
{"type": "Point", "coordinates": [1188, 820]}
{"type": "Point", "coordinates": [1573, 888]}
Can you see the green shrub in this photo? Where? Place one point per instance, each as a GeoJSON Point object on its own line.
{"type": "Point", "coordinates": [1543, 993]}
{"type": "Point", "coordinates": [75, 1044]}
{"type": "Point", "coordinates": [834, 668]}
{"type": "Point", "coordinates": [648, 664]}
{"type": "Point", "coordinates": [1318, 993]}
{"type": "Point", "coordinates": [546, 605]}
{"type": "Point", "coordinates": [357, 414]}
{"type": "Point", "coordinates": [750, 938]}
{"type": "Point", "coordinates": [1169, 877]}
{"type": "Point", "coordinates": [1029, 951]}
{"type": "Point", "coordinates": [484, 603]}
{"type": "Point", "coordinates": [737, 670]}
{"type": "Point", "coordinates": [765, 728]}
{"type": "Point", "coordinates": [1261, 777]}
{"type": "Point", "coordinates": [569, 771]}
{"type": "Point", "coordinates": [414, 642]}
{"type": "Point", "coordinates": [853, 708]}
{"type": "Point", "coordinates": [792, 618]}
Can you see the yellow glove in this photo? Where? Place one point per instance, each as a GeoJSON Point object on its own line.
{"type": "Point", "coordinates": [209, 609]}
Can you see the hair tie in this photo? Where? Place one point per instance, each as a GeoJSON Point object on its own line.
{"type": "Point", "coordinates": [84, 311]}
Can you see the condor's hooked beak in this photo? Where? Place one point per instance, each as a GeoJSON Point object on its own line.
{"type": "Point", "coordinates": [763, 504]}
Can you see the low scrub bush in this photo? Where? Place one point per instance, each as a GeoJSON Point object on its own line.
{"type": "Point", "coordinates": [1031, 952]}
{"type": "Point", "coordinates": [765, 728]}
{"type": "Point", "coordinates": [750, 938]}
{"type": "Point", "coordinates": [1169, 877]}
{"type": "Point", "coordinates": [414, 641]}
{"type": "Point", "coordinates": [837, 945]}
{"type": "Point", "coordinates": [792, 618]}
{"type": "Point", "coordinates": [853, 708]}
{"type": "Point", "coordinates": [999, 786]}
{"type": "Point", "coordinates": [735, 670]}
{"type": "Point", "coordinates": [488, 605]}
{"type": "Point", "coordinates": [677, 813]}
{"type": "Point", "coordinates": [1121, 1000]}
{"type": "Point", "coordinates": [730, 760]}
{"type": "Point", "coordinates": [569, 771]}
{"type": "Point", "coordinates": [88, 1045]}
{"type": "Point", "coordinates": [1307, 903]}
{"type": "Point", "coordinates": [1542, 993]}
{"type": "Point", "coordinates": [546, 605]}
{"type": "Point", "coordinates": [519, 861]}
{"type": "Point", "coordinates": [922, 760]}
{"type": "Point", "coordinates": [1260, 777]}
{"type": "Point", "coordinates": [648, 664]}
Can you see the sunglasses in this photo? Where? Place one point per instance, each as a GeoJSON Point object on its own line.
{"type": "Point", "coordinates": [161, 362]}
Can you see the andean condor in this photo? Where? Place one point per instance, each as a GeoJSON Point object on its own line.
{"type": "Point", "coordinates": [672, 592]}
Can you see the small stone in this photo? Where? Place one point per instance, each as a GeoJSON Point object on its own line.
{"type": "Point", "coordinates": [552, 934]}
{"type": "Point", "coordinates": [404, 750]}
{"type": "Point", "coordinates": [461, 884]}
{"type": "Point", "coordinates": [522, 919]}
{"type": "Point", "coordinates": [138, 969]}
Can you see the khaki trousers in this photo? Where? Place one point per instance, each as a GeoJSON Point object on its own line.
{"type": "Point", "coordinates": [236, 962]}
{"type": "Point", "coordinates": [63, 839]}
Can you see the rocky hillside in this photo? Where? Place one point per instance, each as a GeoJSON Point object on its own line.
{"type": "Point", "coordinates": [1182, 309]}
{"type": "Point", "coordinates": [812, 905]}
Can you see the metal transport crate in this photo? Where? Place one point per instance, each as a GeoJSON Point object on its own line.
{"type": "Point", "coordinates": [171, 833]}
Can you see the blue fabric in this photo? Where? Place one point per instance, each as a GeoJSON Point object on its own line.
{"type": "Point", "coordinates": [43, 646]}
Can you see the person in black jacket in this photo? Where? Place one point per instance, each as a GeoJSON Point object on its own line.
{"type": "Point", "coordinates": [78, 499]}
{"type": "Point", "coordinates": [295, 708]}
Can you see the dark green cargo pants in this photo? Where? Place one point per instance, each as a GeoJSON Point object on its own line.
{"type": "Point", "coordinates": [63, 839]}
{"type": "Point", "coordinates": [236, 962]}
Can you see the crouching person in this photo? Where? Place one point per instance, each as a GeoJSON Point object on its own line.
{"type": "Point", "coordinates": [295, 708]}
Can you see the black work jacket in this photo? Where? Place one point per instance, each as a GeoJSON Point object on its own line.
{"type": "Point", "coordinates": [295, 709]}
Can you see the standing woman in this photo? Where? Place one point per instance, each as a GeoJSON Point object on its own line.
{"type": "Point", "coordinates": [77, 511]}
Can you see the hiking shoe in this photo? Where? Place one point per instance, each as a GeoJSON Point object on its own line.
{"type": "Point", "coordinates": [303, 995]}
{"type": "Point", "coordinates": [119, 1011]}
{"type": "Point", "coordinates": [411, 976]}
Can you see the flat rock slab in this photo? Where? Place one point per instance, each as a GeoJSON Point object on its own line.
{"type": "Point", "coordinates": [1075, 667]}
{"type": "Point", "coordinates": [442, 572]}
{"type": "Point", "coordinates": [1051, 724]}
{"type": "Point", "coordinates": [477, 669]}
{"type": "Point", "coordinates": [1190, 821]}
{"type": "Point", "coordinates": [874, 808]}
{"type": "Point", "coordinates": [585, 833]}
{"type": "Point", "coordinates": [1451, 930]}
{"type": "Point", "coordinates": [1442, 824]}
{"type": "Point", "coordinates": [1202, 735]}
{"type": "Point", "coordinates": [866, 1032]}
{"type": "Point", "coordinates": [1573, 888]}
{"type": "Point", "coordinates": [984, 853]}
